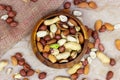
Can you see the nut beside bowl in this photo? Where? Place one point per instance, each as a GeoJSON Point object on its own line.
{"type": "Point", "coordinates": [59, 40]}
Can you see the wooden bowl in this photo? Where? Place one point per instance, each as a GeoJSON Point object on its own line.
{"type": "Point", "coordinates": [46, 61]}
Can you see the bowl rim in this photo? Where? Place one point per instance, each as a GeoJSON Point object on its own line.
{"type": "Point", "coordinates": [47, 62]}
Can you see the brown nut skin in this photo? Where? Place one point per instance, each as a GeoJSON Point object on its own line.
{"type": "Point", "coordinates": [62, 49]}
{"type": "Point", "coordinates": [26, 67]}
{"type": "Point", "coordinates": [76, 2]}
{"type": "Point", "coordinates": [18, 56]}
{"type": "Point", "coordinates": [101, 47]}
{"type": "Point", "coordinates": [13, 24]}
{"type": "Point", "coordinates": [11, 13]}
{"type": "Point", "coordinates": [84, 63]}
{"type": "Point", "coordinates": [80, 71]}
{"type": "Point", "coordinates": [9, 20]}
{"type": "Point", "coordinates": [43, 42]}
{"type": "Point", "coordinates": [72, 31]}
{"type": "Point", "coordinates": [43, 28]}
{"type": "Point", "coordinates": [47, 38]}
{"type": "Point", "coordinates": [66, 32]}
{"type": "Point", "coordinates": [58, 36]}
{"type": "Point", "coordinates": [21, 62]}
{"type": "Point", "coordinates": [109, 75]}
{"type": "Point", "coordinates": [103, 28]}
{"type": "Point", "coordinates": [23, 73]}
{"type": "Point", "coordinates": [30, 72]}
{"type": "Point", "coordinates": [95, 34]}
{"type": "Point", "coordinates": [42, 75]}
{"type": "Point", "coordinates": [112, 62]}
{"type": "Point", "coordinates": [2, 7]}
{"type": "Point", "coordinates": [45, 54]}
{"type": "Point", "coordinates": [74, 76]}
{"type": "Point", "coordinates": [8, 8]}
{"type": "Point", "coordinates": [67, 5]}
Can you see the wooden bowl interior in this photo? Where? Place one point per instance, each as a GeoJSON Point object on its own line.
{"type": "Point", "coordinates": [58, 65]}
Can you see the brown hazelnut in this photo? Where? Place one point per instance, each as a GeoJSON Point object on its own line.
{"type": "Point", "coordinates": [42, 75]}
{"type": "Point", "coordinates": [47, 38]}
{"type": "Point", "coordinates": [73, 31]}
{"type": "Point", "coordinates": [112, 62]}
{"type": "Point", "coordinates": [74, 76]}
{"type": "Point", "coordinates": [21, 62]}
{"type": "Point", "coordinates": [61, 49]}
{"type": "Point", "coordinates": [80, 71]}
{"type": "Point", "coordinates": [11, 13]}
{"type": "Point", "coordinates": [43, 28]}
{"type": "Point", "coordinates": [67, 5]}
{"type": "Point", "coordinates": [26, 67]}
{"type": "Point", "coordinates": [109, 75]}
{"type": "Point", "coordinates": [13, 24]}
{"type": "Point", "coordinates": [9, 20]}
{"type": "Point", "coordinates": [8, 8]}
{"type": "Point", "coordinates": [57, 36]}
{"type": "Point", "coordinates": [2, 7]}
{"type": "Point", "coordinates": [30, 72]}
{"type": "Point", "coordinates": [18, 55]}
{"type": "Point", "coordinates": [23, 72]}
{"type": "Point", "coordinates": [43, 42]}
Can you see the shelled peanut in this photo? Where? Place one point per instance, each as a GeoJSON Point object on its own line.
{"type": "Point", "coordinates": [60, 38]}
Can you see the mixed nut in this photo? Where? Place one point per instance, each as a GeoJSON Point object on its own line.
{"type": "Point", "coordinates": [60, 38]}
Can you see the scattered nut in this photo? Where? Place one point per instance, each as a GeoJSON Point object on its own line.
{"type": "Point", "coordinates": [92, 5]}
{"type": "Point", "coordinates": [109, 26]}
{"type": "Point", "coordinates": [74, 69]}
{"type": "Point", "coordinates": [23, 73]}
{"type": "Point", "coordinates": [109, 75]}
{"type": "Point", "coordinates": [30, 72]}
{"type": "Point", "coordinates": [42, 75]}
{"type": "Point", "coordinates": [3, 64]}
{"type": "Point", "coordinates": [101, 47]}
{"type": "Point", "coordinates": [14, 61]}
{"type": "Point", "coordinates": [89, 59]}
{"type": "Point", "coordinates": [92, 55]}
{"type": "Point", "coordinates": [4, 17]}
{"type": "Point", "coordinates": [117, 44]}
{"type": "Point", "coordinates": [86, 69]}
{"type": "Point", "coordinates": [117, 26]}
{"type": "Point", "coordinates": [67, 5]}
{"type": "Point", "coordinates": [74, 76]}
{"type": "Point", "coordinates": [77, 13]}
{"type": "Point", "coordinates": [83, 5]}
{"type": "Point", "coordinates": [98, 25]}
{"type": "Point", "coordinates": [112, 62]}
{"type": "Point", "coordinates": [17, 76]}
{"type": "Point", "coordinates": [62, 78]}
{"type": "Point", "coordinates": [21, 62]}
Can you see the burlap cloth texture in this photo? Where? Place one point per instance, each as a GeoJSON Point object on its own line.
{"type": "Point", "coordinates": [27, 15]}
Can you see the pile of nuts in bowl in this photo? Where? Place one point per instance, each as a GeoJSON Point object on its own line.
{"type": "Point", "coordinates": [60, 39]}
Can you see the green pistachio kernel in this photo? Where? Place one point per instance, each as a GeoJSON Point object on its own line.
{"type": "Point", "coordinates": [54, 46]}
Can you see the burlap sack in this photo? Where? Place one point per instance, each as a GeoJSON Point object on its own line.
{"type": "Point", "coordinates": [27, 16]}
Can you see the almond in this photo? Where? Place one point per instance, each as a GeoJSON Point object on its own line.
{"type": "Point", "coordinates": [86, 69]}
{"type": "Point", "coordinates": [73, 22]}
{"type": "Point", "coordinates": [14, 61]}
{"type": "Point", "coordinates": [81, 38]}
{"type": "Point", "coordinates": [58, 31]}
{"type": "Point", "coordinates": [40, 46]}
{"type": "Point", "coordinates": [117, 44]}
{"type": "Point", "coordinates": [90, 45]}
{"type": "Point", "coordinates": [98, 25]}
{"type": "Point", "coordinates": [46, 48]}
{"type": "Point", "coordinates": [52, 58]}
{"type": "Point", "coordinates": [83, 5]}
{"type": "Point", "coordinates": [92, 5]}
{"type": "Point", "coordinates": [109, 26]}
{"type": "Point", "coordinates": [51, 41]}
{"type": "Point", "coordinates": [66, 32]}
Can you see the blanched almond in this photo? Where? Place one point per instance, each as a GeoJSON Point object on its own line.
{"type": "Point", "coordinates": [40, 46]}
{"type": "Point", "coordinates": [14, 61]}
{"type": "Point", "coordinates": [109, 26]}
{"type": "Point", "coordinates": [117, 44]}
{"type": "Point", "coordinates": [83, 5]}
{"type": "Point", "coordinates": [92, 5]}
{"type": "Point", "coordinates": [98, 25]}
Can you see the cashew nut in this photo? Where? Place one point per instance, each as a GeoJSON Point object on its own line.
{"type": "Point", "coordinates": [51, 21]}
{"type": "Point", "coordinates": [64, 55]}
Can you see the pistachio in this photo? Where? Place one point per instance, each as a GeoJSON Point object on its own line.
{"type": "Point", "coordinates": [54, 46]}
{"type": "Point", "coordinates": [52, 58]}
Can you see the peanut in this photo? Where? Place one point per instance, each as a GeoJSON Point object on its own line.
{"type": "Point", "coordinates": [109, 26]}
{"type": "Point", "coordinates": [14, 61]}
{"type": "Point", "coordinates": [103, 58]}
{"type": "Point", "coordinates": [92, 5]}
{"type": "Point", "coordinates": [83, 5]}
{"type": "Point", "coordinates": [40, 46]}
{"type": "Point", "coordinates": [52, 58]}
{"type": "Point", "coordinates": [74, 69]}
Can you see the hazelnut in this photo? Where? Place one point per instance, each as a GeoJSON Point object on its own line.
{"type": "Point", "coordinates": [109, 75]}
{"type": "Point", "coordinates": [11, 13]}
{"type": "Point", "coordinates": [43, 28]}
{"type": "Point", "coordinates": [2, 7]}
{"type": "Point", "coordinates": [26, 67]}
{"type": "Point", "coordinates": [73, 31]}
{"type": "Point", "coordinates": [30, 72]}
{"type": "Point", "coordinates": [8, 8]}
{"type": "Point", "coordinates": [57, 36]}
{"type": "Point", "coordinates": [23, 72]}
{"type": "Point", "coordinates": [62, 49]}
{"type": "Point", "coordinates": [18, 55]}
{"type": "Point", "coordinates": [42, 75]}
{"type": "Point", "coordinates": [67, 5]}
{"type": "Point", "coordinates": [9, 20]}
{"type": "Point", "coordinates": [112, 62]}
{"type": "Point", "coordinates": [21, 62]}
{"type": "Point", "coordinates": [13, 24]}
{"type": "Point", "coordinates": [47, 38]}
